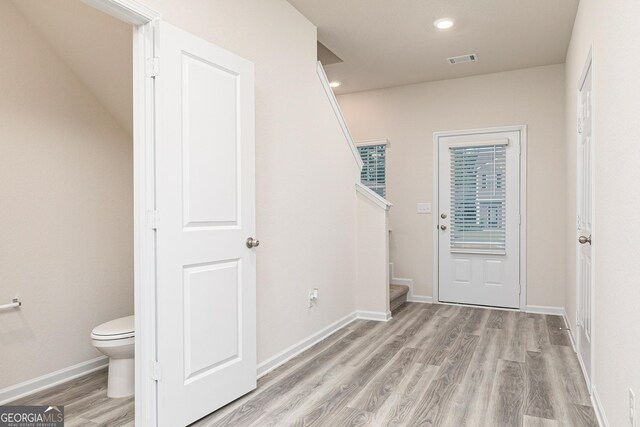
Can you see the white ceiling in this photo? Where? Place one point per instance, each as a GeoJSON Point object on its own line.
{"type": "Point", "coordinates": [97, 48]}
{"type": "Point", "coordinates": [387, 43]}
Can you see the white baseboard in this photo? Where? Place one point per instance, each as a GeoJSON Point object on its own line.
{"type": "Point", "coordinates": [289, 353]}
{"type": "Point", "coordinates": [574, 346]}
{"type": "Point", "coordinates": [545, 309]}
{"type": "Point", "coordinates": [420, 299]}
{"type": "Point", "coordinates": [46, 381]}
{"type": "Point", "coordinates": [374, 315]}
{"type": "Point", "coordinates": [598, 409]}
{"type": "Point", "coordinates": [595, 399]}
{"type": "Point", "coordinates": [583, 370]}
{"type": "Point", "coordinates": [568, 326]}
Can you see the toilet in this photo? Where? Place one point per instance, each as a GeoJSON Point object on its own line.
{"type": "Point", "coordinates": [115, 339]}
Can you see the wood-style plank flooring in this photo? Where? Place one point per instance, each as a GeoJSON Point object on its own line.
{"type": "Point", "coordinates": [431, 365]}
{"type": "Point", "coordinates": [86, 403]}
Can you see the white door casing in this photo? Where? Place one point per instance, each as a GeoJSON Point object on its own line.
{"type": "Point", "coordinates": [584, 210]}
{"type": "Point", "coordinates": [490, 277]}
{"type": "Point", "coordinates": [206, 274]}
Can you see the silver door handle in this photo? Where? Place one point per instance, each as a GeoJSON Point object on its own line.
{"type": "Point", "coordinates": [252, 243]}
{"type": "Point", "coordinates": [443, 227]}
{"type": "Point", "coordinates": [583, 240]}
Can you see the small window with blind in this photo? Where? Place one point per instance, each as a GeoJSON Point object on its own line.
{"type": "Point", "coordinates": [373, 173]}
{"type": "Point", "coordinates": [478, 197]}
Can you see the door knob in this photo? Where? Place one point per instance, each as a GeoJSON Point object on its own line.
{"type": "Point", "coordinates": [583, 239]}
{"type": "Point", "coordinates": [443, 227]}
{"type": "Point", "coordinates": [252, 243]}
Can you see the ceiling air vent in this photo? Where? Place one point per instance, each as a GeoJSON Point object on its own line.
{"type": "Point", "coordinates": [472, 57]}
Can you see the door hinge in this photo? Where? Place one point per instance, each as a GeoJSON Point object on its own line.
{"type": "Point", "coordinates": [154, 220]}
{"type": "Point", "coordinates": [580, 125]}
{"type": "Point", "coordinates": [153, 67]}
{"type": "Point", "coordinates": [156, 372]}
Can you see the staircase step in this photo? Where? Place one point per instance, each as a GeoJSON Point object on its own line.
{"type": "Point", "coordinates": [397, 296]}
{"type": "Point", "coordinates": [396, 291]}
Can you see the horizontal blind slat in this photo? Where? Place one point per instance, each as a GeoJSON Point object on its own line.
{"type": "Point", "coordinates": [478, 197]}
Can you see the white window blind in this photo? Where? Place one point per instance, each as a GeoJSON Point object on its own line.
{"type": "Point", "coordinates": [478, 197]}
{"type": "Point", "coordinates": [373, 173]}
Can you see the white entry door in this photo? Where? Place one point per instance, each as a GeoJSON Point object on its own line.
{"type": "Point", "coordinates": [479, 218]}
{"type": "Point", "coordinates": [206, 273]}
{"type": "Point", "coordinates": [584, 209]}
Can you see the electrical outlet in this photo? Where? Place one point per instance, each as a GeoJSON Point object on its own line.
{"type": "Point", "coordinates": [313, 297]}
{"type": "Point", "coordinates": [632, 408]}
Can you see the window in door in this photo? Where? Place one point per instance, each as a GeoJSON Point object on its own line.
{"type": "Point", "coordinates": [478, 197]}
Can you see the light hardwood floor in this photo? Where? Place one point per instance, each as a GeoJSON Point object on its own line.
{"type": "Point", "coordinates": [431, 365]}
{"type": "Point", "coordinates": [85, 402]}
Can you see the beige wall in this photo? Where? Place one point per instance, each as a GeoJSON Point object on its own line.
{"type": "Point", "coordinates": [409, 115]}
{"type": "Point", "coordinates": [66, 209]}
{"type": "Point", "coordinates": [62, 22]}
{"type": "Point", "coordinates": [305, 172]}
{"type": "Point", "coordinates": [613, 30]}
{"type": "Point", "coordinates": [306, 218]}
{"type": "Point", "coordinates": [372, 278]}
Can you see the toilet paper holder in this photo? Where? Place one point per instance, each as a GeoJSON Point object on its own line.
{"type": "Point", "coordinates": [15, 303]}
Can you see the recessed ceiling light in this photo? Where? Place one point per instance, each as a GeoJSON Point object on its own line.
{"type": "Point", "coordinates": [335, 84]}
{"type": "Point", "coordinates": [443, 23]}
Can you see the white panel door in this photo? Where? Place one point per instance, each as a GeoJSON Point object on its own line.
{"type": "Point", "coordinates": [584, 211]}
{"type": "Point", "coordinates": [479, 219]}
{"type": "Point", "coordinates": [206, 298]}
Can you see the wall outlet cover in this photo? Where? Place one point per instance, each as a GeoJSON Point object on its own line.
{"type": "Point", "coordinates": [424, 208]}
{"type": "Point", "coordinates": [313, 297]}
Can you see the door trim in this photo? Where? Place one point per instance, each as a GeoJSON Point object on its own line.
{"type": "Point", "coordinates": [588, 376]}
{"type": "Point", "coordinates": [522, 129]}
{"type": "Point", "coordinates": [144, 21]}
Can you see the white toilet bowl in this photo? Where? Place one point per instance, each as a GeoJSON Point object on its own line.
{"type": "Point", "coordinates": [115, 339]}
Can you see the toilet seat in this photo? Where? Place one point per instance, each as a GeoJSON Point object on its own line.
{"type": "Point", "coordinates": [118, 329]}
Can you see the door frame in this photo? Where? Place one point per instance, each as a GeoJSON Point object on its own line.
{"type": "Point", "coordinates": [144, 20]}
{"type": "Point", "coordinates": [522, 129]}
{"type": "Point", "coordinates": [588, 376]}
